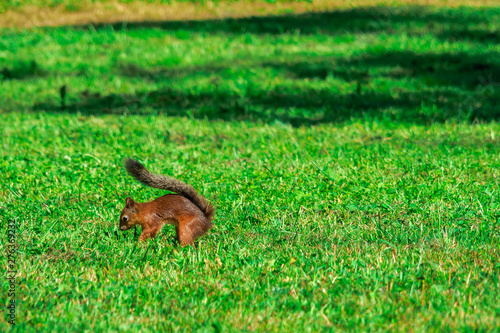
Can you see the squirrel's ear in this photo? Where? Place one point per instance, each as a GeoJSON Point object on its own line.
{"type": "Point", "coordinates": [129, 202]}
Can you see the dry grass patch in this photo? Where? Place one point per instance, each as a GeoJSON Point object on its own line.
{"type": "Point", "coordinates": [38, 15]}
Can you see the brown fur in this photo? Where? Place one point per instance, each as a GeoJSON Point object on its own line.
{"type": "Point", "coordinates": [189, 212]}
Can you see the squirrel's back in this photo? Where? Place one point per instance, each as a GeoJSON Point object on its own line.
{"type": "Point", "coordinates": [139, 172]}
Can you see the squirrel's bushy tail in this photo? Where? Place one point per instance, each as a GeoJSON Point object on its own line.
{"type": "Point", "coordinates": [139, 172]}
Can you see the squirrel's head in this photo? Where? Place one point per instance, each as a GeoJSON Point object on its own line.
{"type": "Point", "coordinates": [130, 215]}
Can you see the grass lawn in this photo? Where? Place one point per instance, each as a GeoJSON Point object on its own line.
{"type": "Point", "coordinates": [352, 155]}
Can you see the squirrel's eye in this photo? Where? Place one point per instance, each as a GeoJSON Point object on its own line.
{"type": "Point", "coordinates": [125, 218]}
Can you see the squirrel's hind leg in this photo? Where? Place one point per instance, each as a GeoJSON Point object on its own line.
{"type": "Point", "coordinates": [190, 228]}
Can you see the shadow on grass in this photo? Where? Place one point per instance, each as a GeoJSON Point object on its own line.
{"type": "Point", "coordinates": [448, 24]}
{"type": "Point", "coordinates": [22, 70]}
{"type": "Point", "coordinates": [453, 86]}
{"type": "Point", "coordinates": [297, 107]}
{"type": "Point", "coordinates": [437, 69]}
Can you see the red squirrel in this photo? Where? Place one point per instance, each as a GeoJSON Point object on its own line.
{"type": "Point", "coordinates": [188, 211]}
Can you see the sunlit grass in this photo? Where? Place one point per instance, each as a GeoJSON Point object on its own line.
{"type": "Point", "coordinates": [352, 157]}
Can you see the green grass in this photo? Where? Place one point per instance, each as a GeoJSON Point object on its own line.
{"type": "Point", "coordinates": [353, 159]}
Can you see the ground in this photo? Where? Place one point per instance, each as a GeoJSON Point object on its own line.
{"type": "Point", "coordinates": [352, 155]}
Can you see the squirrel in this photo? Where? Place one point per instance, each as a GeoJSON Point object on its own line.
{"type": "Point", "coordinates": [188, 211]}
